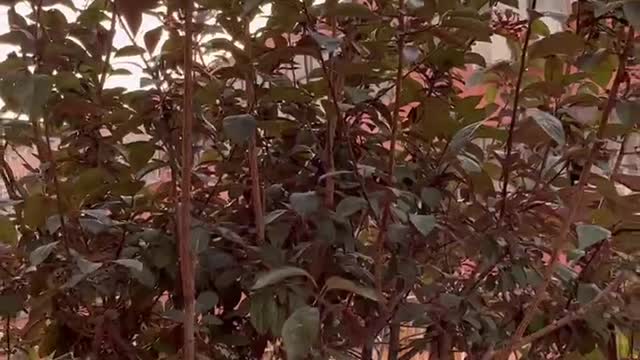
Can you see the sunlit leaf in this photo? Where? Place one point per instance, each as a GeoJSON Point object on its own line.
{"type": "Point", "coordinates": [589, 235]}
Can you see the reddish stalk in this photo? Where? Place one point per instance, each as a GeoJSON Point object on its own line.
{"type": "Point", "coordinates": [184, 214]}
{"type": "Point", "coordinates": [394, 329]}
{"type": "Point", "coordinates": [514, 114]}
{"type": "Point", "coordinates": [254, 170]}
{"type": "Point", "coordinates": [330, 184]}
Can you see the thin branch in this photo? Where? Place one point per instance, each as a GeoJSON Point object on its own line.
{"type": "Point", "coordinates": [56, 183]}
{"type": "Point", "coordinates": [561, 240]}
{"type": "Point", "coordinates": [45, 151]}
{"type": "Point", "coordinates": [394, 329]}
{"type": "Point", "coordinates": [332, 77]}
{"type": "Point", "coordinates": [398, 85]}
{"type": "Point", "coordinates": [254, 170]}
{"type": "Point", "coordinates": [184, 215]}
{"type": "Point", "coordinates": [566, 320]}
{"type": "Point", "coordinates": [621, 154]}
{"type": "Point", "coordinates": [514, 112]}
{"type": "Point", "coordinates": [8, 330]}
{"type": "Point", "coordinates": [9, 178]}
{"type": "Point", "coordinates": [107, 56]}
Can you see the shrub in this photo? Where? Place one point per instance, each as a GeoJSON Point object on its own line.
{"type": "Point", "coordinates": [313, 188]}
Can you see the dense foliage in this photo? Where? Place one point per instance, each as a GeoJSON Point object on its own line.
{"type": "Point", "coordinates": [345, 187]}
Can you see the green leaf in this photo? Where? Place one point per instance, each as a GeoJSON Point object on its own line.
{"type": "Point", "coordinates": [129, 50]}
{"type": "Point", "coordinates": [549, 123]}
{"type": "Point", "coordinates": [300, 332]}
{"type": "Point", "coordinates": [338, 283]}
{"type": "Point", "coordinates": [249, 6]}
{"type": "Point", "coordinates": [151, 39]}
{"type": "Point", "coordinates": [631, 10]}
{"type": "Point", "coordinates": [539, 27]}
{"type": "Point", "coordinates": [431, 197]}
{"type": "Point", "coordinates": [16, 21]}
{"type": "Point", "coordinates": [450, 300]}
{"type": "Point", "coordinates": [423, 223]}
{"type": "Point", "coordinates": [589, 235]}
{"type": "Point", "coordinates": [211, 320]}
{"type": "Point", "coordinates": [553, 70]}
{"type": "Point", "coordinates": [305, 204]}
{"type": "Point", "coordinates": [200, 237]}
{"type": "Point", "coordinates": [471, 26]}
{"type": "Point", "coordinates": [273, 216]}
{"type": "Point", "coordinates": [261, 308]}
{"type": "Point", "coordinates": [565, 273]}
{"type": "Point", "coordinates": [131, 264]}
{"type": "Point", "coordinates": [462, 138]}
{"type": "Point", "coordinates": [239, 128]}
{"type": "Point", "coordinates": [560, 43]}
{"type": "Point", "coordinates": [132, 11]}
{"type": "Point", "coordinates": [8, 233]}
{"type": "Point", "coordinates": [120, 72]}
{"type": "Point", "coordinates": [138, 271]}
{"type": "Point", "coordinates": [10, 305]}
{"type": "Point", "coordinates": [144, 277]}
{"type": "Point", "coordinates": [41, 253]}
{"type": "Point", "coordinates": [628, 112]}
{"type": "Point", "coordinates": [350, 205]}
{"type": "Point", "coordinates": [35, 211]}
{"type": "Point", "coordinates": [624, 345]}
{"type": "Point", "coordinates": [206, 301]}
{"type": "Point", "coordinates": [85, 266]}
{"type": "Point", "coordinates": [587, 292]}
{"type": "Point", "coordinates": [38, 95]}
{"type": "Point", "coordinates": [139, 154]}
{"type": "Point", "coordinates": [326, 42]}
{"type": "Point", "coordinates": [277, 275]}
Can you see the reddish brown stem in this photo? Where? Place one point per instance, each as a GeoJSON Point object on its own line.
{"type": "Point", "coordinates": [330, 185]}
{"type": "Point", "coordinates": [254, 170]}
{"type": "Point", "coordinates": [107, 56]}
{"type": "Point", "coordinates": [394, 329]}
{"type": "Point", "coordinates": [184, 214]}
{"type": "Point", "coordinates": [514, 113]}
